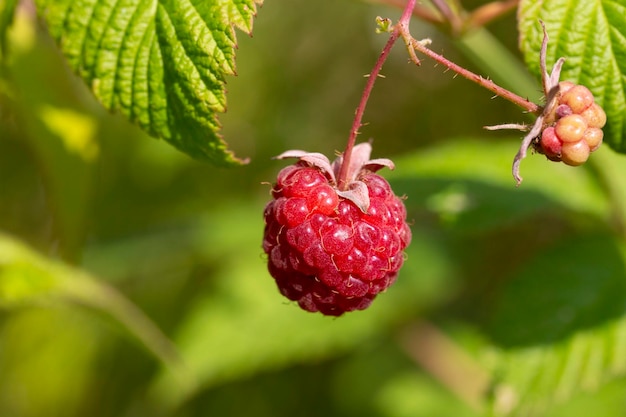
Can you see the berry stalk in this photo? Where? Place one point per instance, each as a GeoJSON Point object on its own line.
{"type": "Point", "coordinates": [421, 46]}
{"type": "Point", "coordinates": [401, 27]}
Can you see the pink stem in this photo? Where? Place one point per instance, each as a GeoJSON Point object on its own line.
{"type": "Point", "coordinates": [401, 27]}
{"type": "Point", "coordinates": [484, 82]}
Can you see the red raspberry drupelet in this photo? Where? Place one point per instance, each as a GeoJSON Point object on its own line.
{"type": "Point", "coordinates": [330, 250]}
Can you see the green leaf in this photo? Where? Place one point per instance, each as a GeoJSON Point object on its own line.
{"type": "Point", "coordinates": [601, 403]}
{"type": "Point", "coordinates": [570, 296]}
{"type": "Point", "coordinates": [161, 63]}
{"type": "Point", "coordinates": [28, 279]}
{"type": "Point", "coordinates": [591, 35]}
{"type": "Point", "coordinates": [579, 291]}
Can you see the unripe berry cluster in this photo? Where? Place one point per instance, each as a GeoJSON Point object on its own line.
{"type": "Point", "coordinates": [576, 126]}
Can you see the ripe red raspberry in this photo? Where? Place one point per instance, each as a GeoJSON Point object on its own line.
{"type": "Point", "coordinates": [334, 250]}
{"type": "Point", "coordinates": [574, 130]}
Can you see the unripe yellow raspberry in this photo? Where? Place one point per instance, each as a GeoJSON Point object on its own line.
{"type": "Point", "coordinates": [575, 153]}
{"type": "Point", "coordinates": [571, 128]}
{"type": "Point", "coordinates": [595, 116]}
{"type": "Point", "coordinates": [578, 98]}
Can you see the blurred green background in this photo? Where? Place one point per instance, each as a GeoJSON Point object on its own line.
{"type": "Point", "coordinates": [495, 277]}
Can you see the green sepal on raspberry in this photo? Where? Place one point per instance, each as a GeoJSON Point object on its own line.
{"type": "Point", "coordinates": [333, 250]}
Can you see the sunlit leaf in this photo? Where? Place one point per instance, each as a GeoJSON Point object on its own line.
{"type": "Point", "coordinates": [602, 403]}
{"type": "Point", "coordinates": [162, 63]}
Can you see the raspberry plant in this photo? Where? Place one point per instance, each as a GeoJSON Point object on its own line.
{"type": "Point", "coordinates": [510, 301]}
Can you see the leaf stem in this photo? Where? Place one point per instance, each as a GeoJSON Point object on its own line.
{"type": "Point", "coordinates": [401, 27]}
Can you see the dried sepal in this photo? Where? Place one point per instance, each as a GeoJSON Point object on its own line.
{"type": "Point", "coordinates": [532, 135]}
{"type": "Point", "coordinates": [550, 83]}
{"type": "Point", "coordinates": [358, 193]}
{"type": "Point", "coordinates": [358, 158]}
{"type": "Point", "coordinates": [315, 159]}
{"type": "Point", "coordinates": [380, 163]}
{"type": "Point", "coordinates": [360, 163]}
{"type": "Point", "coordinates": [515, 126]}
{"type": "Point", "coordinates": [551, 90]}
